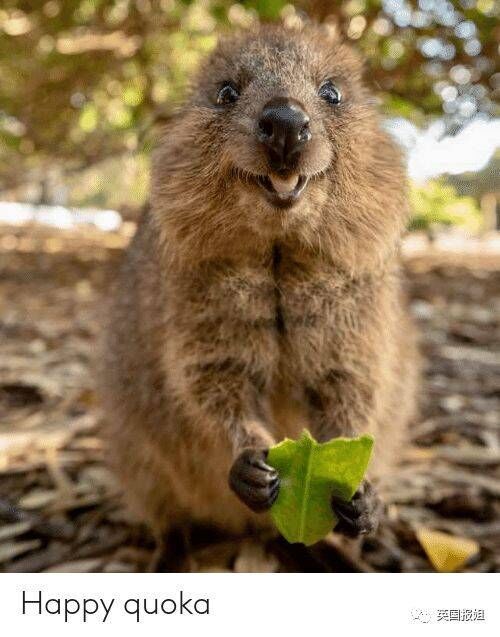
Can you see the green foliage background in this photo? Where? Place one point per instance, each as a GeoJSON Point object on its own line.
{"type": "Point", "coordinates": [437, 204]}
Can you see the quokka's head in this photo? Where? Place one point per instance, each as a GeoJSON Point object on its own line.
{"type": "Point", "coordinates": [277, 127]}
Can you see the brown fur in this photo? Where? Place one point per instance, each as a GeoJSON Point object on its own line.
{"type": "Point", "coordinates": [235, 324]}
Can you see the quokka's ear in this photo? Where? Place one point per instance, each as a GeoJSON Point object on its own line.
{"type": "Point", "coordinates": [294, 19]}
{"type": "Point", "coordinates": [325, 13]}
{"type": "Point", "coordinates": [297, 20]}
{"type": "Point", "coordinates": [334, 29]}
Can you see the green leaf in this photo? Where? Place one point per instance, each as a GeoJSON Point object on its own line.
{"type": "Point", "coordinates": [311, 473]}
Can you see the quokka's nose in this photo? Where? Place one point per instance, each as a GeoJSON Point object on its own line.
{"type": "Point", "coordinates": [283, 129]}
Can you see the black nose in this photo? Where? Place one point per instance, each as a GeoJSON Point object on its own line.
{"type": "Point", "coordinates": [284, 130]}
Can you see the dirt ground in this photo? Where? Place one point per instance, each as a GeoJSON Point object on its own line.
{"type": "Point", "coordinates": [59, 508]}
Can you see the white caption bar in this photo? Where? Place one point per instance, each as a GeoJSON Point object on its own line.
{"type": "Point", "coordinates": [249, 605]}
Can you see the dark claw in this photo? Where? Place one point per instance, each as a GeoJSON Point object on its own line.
{"type": "Point", "coordinates": [254, 481]}
{"type": "Point", "coordinates": [360, 516]}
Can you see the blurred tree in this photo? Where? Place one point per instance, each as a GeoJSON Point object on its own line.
{"type": "Point", "coordinates": [425, 56]}
{"type": "Point", "coordinates": [483, 185]}
{"type": "Point", "coordinates": [480, 183]}
{"type": "Point", "coordinates": [438, 204]}
{"type": "Point", "coordinates": [82, 80]}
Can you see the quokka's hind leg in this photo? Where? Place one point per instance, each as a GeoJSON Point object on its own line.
{"type": "Point", "coordinates": [145, 477]}
{"type": "Point", "coordinates": [172, 551]}
{"type": "Point", "coordinates": [178, 550]}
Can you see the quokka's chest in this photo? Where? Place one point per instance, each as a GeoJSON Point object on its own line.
{"type": "Point", "coordinates": [300, 298]}
{"type": "Point", "coordinates": [276, 304]}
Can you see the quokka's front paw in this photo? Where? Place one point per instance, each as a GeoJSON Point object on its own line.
{"type": "Point", "coordinates": [254, 481]}
{"type": "Point", "coordinates": [361, 515]}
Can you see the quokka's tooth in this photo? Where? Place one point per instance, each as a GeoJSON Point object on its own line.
{"type": "Point", "coordinates": [284, 185]}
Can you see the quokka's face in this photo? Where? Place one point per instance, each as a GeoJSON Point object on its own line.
{"type": "Point", "coordinates": [282, 114]}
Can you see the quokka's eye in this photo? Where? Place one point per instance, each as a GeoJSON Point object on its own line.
{"type": "Point", "coordinates": [330, 93]}
{"type": "Point", "coordinates": [228, 94]}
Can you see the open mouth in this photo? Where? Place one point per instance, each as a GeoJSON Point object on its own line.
{"type": "Point", "coordinates": [283, 192]}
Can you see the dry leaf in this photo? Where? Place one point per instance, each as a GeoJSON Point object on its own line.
{"type": "Point", "coordinates": [118, 567]}
{"type": "Point", "coordinates": [253, 558]}
{"type": "Point", "coordinates": [447, 553]}
{"type": "Point", "coordinates": [14, 530]}
{"type": "Point", "coordinates": [78, 566]}
{"type": "Point", "coordinates": [37, 499]}
{"type": "Point", "coordinates": [10, 550]}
